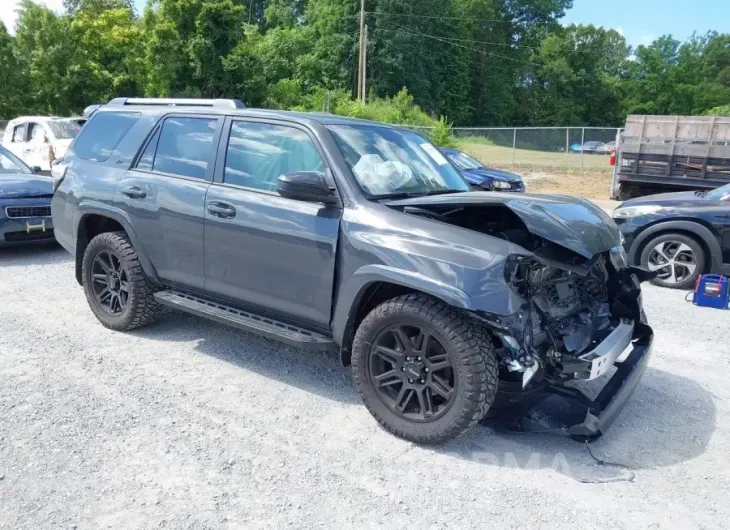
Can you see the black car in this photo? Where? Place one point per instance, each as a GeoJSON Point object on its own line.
{"type": "Point", "coordinates": [25, 203]}
{"type": "Point", "coordinates": [328, 232]}
{"type": "Point", "coordinates": [679, 235]}
{"type": "Point", "coordinates": [481, 177]}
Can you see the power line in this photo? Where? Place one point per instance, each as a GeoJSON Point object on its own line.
{"type": "Point", "coordinates": [483, 52]}
{"type": "Point", "coordinates": [479, 41]}
{"type": "Point", "coordinates": [471, 19]}
{"type": "Point", "coordinates": [503, 44]}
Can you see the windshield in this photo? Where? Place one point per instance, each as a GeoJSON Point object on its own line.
{"type": "Point", "coordinates": [388, 161]}
{"type": "Point", "coordinates": [720, 194]}
{"type": "Point", "coordinates": [66, 129]}
{"type": "Point", "coordinates": [464, 161]}
{"type": "Point", "coordinates": [9, 163]}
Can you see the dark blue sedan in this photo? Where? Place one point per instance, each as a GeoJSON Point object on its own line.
{"type": "Point", "coordinates": [25, 203]}
{"type": "Point", "coordinates": [481, 177]}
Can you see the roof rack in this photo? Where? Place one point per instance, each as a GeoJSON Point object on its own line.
{"type": "Point", "coordinates": [179, 102]}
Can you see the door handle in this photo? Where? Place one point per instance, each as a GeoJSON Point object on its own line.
{"type": "Point", "coordinates": [134, 192]}
{"type": "Point", "coordinates": [221, 209]}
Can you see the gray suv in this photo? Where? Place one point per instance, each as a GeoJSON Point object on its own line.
{"type": "Point", "coordinates": [324, 232]}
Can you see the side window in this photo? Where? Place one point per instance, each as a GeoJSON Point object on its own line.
{"type": "Point", "coordinates": [35, 133]}
{"type": "Point", "coordinates": [148, 157]}
{"type": "Point", "coordinates": [185, 146]}
{"type": "Point", "coordinates": [102, 134]}
{"type": "Point", "coordinates": [18, 134]}
{"type": "Point", "coordinates": [259, 153]}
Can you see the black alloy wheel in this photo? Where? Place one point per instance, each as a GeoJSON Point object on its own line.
{"type": "Point", "coordinates": [425, 370]}
{"type": "Point", "coordinates": [412, 373]}
{"type": "Point", "coordinates": [119, 292]}
{"type": "Point", "coordinates": [110, 282]}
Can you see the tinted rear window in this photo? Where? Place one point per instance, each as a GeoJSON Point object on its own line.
{"type": "Point", "coordinates": [102, 134]}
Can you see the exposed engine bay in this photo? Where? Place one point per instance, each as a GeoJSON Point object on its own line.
{"type": "Point", "coordinates": [571, 302]}
{"type": "Point", "coordinates": [561, 302]}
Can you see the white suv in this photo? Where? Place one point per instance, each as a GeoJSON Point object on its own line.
{"type": "Point", "coordinates": [38, 140]}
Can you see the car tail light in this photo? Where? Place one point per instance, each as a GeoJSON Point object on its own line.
{"type": "Point", "coordinates": [58, 172]}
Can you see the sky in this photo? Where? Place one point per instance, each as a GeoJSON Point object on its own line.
{"type": "Point", "coordinates": [640, 21]}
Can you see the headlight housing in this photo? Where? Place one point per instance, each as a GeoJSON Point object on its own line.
{"type": "Point", "coordinates": [619, 259]}
{"type": "Point", "coordinates": [501, 185]}
{"type": "Point", "coordinates": [624, 212]}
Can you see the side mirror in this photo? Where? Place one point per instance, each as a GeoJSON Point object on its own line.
{"type": "Point", "coordinates": [36, 169]}
{"type": "Point", "coordinates": [310, 186]}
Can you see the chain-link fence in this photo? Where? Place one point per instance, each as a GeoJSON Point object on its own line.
{"type": "Point", "coordinates": [585, 148]}
{"type": "Point", "coordinates": [547, 148]}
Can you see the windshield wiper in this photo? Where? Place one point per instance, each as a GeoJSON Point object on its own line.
{"type": "Point", "coordinates": [412, 194]}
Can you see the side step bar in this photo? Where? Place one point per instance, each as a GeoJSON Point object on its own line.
{"type": "Point", "coordinates": [245, 320]}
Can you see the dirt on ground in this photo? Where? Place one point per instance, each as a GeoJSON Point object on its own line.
{"type": "Point", "coordinates": [588, 184]}
{"type": "Point", "coordinates": [547, 172]}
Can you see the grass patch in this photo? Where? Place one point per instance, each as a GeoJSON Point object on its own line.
{"type": "Point", "coordinates": [496, 156]}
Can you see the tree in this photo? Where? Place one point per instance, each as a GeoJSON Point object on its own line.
{"type": "Point", "coordinates": [14, 76]}
{"type": "Point", "coordinates": [579, 77]}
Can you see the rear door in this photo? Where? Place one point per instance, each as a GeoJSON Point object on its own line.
{"type": "Point", "coordinates": [261, 249]}
{"type": "Point", "coordinates": [164, 194]}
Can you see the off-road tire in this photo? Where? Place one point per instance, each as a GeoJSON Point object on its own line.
{"type": "Point", "coordinates": [699, 252]}
{"type": "Point", "coordinates": [471, 354]}
{"type": "Point", "coordinates": [141, 308]}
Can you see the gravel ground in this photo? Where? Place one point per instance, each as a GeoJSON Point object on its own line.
{"type": "Point", "coordinates": [188, 424]}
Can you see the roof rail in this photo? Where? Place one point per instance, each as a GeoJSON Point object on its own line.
{"type": "Point", "coordinates": [180, 102]}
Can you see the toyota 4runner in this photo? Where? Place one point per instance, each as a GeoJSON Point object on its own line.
{"type": "Point", "coordinates": [319, 231]}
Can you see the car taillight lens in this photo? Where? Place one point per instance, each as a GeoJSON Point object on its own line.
{"type": "Point", "coordinates": [58, 172]}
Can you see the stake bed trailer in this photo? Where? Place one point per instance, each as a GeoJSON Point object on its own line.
{"type": "Point", "coordinates": [657, 154]}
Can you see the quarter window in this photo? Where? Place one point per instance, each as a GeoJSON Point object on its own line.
{"type": "Point", "coordinates": [259, 153]}
{"type": "Point", "coordinates": [102, 134]}
{"type": "Point", "coordinates": [185, 147]}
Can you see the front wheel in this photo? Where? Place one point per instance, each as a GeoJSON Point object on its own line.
{"type": "Point", "coordinates": [424, 370]}
{"type": "Point", "coordinates": [117, 289]}
{"type": "Point", "coordinates": [677, 259]}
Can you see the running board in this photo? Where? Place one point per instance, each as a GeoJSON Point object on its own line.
{"type": "Point", "coordinates": [245, 320]}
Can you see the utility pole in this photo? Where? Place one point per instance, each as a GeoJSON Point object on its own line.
{"type": "Point", "coordinates": [365, 67]}
{"type": "Point", "coordinates": [360, 93]}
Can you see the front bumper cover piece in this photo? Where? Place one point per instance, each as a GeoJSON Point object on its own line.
{"type": "Point", "coordinates": [556, 408]}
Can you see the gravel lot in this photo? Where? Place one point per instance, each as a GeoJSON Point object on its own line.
{"type": "Point", "coordinates": [188, 424]}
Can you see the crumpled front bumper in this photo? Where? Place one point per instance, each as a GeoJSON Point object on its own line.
{"type": "Point", "coordinates": [561, 409]}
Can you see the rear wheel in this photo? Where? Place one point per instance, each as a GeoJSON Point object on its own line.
{"type": "Point", "coordinates": [117, 289]}
{"type": "Point", "coordinates": [425, 371]}
{"type": "Point", "coordinates": [677, 259]}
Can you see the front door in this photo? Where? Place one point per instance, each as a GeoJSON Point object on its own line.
{"type": "Point", "coordinates": [262, 250]}
{"type": "Point", "coordinates": [164, 193]}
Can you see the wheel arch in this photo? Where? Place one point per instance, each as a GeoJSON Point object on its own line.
{"type": "Point", "coordinates": [374, 284]}
{"type": "Point", "coordinates": [696, 231]}
{"type": "Point", "coordinates": [94, 219]}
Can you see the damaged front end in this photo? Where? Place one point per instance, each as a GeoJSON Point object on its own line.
{"type": "Point", "coordinates": [580, 314]}
{"type": "Point", "coordinates": [572, 326]}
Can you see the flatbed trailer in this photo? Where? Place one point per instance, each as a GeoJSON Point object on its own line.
{"type": "Point", "coordinates": [657, 154]}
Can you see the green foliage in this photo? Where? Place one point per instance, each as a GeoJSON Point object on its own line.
{"type": "Point", "coordinates": [722, 110]}
{"type": "Point", "coordinates": [520, 68]}
{"type": "Point", "coordinates": [441, 134]}
{"type": "Point", "coordinates": [471, 139]}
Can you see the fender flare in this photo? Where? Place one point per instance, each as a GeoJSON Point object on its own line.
{"type": "Point", "coordinates": [701, 231]}
{"type": "Point", "coordinates": [352, 293]}
{"type": "Point", "coordinates": [87, 208]}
